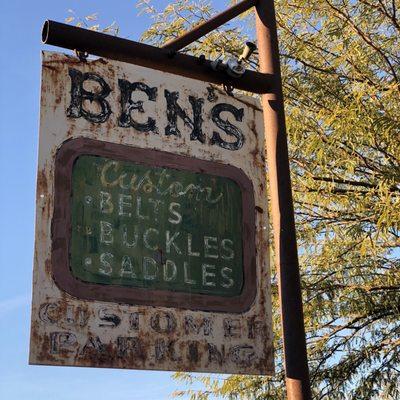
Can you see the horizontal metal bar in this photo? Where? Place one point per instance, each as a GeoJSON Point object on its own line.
{"type": "Point", "coordinates": [202, 29]}
{"type": "Point", "coordinates": [100, 44]}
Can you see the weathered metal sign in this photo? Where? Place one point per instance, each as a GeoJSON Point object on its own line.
{"type": "Point", "coordinates": [151, 227]}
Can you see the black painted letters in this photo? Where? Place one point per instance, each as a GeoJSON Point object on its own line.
{"type": "Point", "coordinates": [82, 98]}
{"type": "Point", "coordinates": [76, 108]}
{"type": "Point", "coordinates": [227, 127]}
{"type": "Point", "coordinates": [128, 105]}
{"type": "Point", "coordinates": [174, 111]}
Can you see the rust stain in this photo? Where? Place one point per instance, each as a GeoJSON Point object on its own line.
{"type": "Point", "coordinates": [44, 355]}
{"type": "Point", "coordinates": [102, 345]}
{"type": "Point", "coordinates": [42, 187]}
{"type": "Point", "coordinates": [47, 267]}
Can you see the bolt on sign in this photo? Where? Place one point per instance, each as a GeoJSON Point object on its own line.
{"type": "Point", "coordinates": [151, 223]}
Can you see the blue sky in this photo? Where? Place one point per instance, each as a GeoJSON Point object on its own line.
{"type": "Point", "coordinates": [20, 65]}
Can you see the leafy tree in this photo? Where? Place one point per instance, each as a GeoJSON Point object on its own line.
{"type": "Point", "coordinates": [341, 76]}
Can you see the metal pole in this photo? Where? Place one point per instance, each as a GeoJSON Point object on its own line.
{"type": "Point", "coordinates": [114, 48]}
{"type": "Point", "coordinates": [286, 259]}
{"type": "Point", "coordinates": [206, 27]}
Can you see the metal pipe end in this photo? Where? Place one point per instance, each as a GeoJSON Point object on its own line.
{"type": "Point", "coordinates": [45, 31]}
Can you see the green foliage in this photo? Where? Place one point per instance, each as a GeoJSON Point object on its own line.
{"type": "Point", "coordinates": [341, 74]}
{"type": "Point", "coordinates": [91, 22]}
{"type": "Point", "coordinates": [341, 77]}
{"type": "Point", "coordinates": [180, 16]}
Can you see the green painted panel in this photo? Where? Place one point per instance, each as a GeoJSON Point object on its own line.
{"type": "Point", "coordinates": [158, 228]}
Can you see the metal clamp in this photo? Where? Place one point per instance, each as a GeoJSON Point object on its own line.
{"type": "Point", "coordinates": [82, 55]}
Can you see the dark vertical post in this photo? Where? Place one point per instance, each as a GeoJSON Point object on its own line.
{"type": "Point", "coordinates": [296, 367]}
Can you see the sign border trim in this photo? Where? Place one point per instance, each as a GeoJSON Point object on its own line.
{"type": "Point", "coordinates": [66, 156]}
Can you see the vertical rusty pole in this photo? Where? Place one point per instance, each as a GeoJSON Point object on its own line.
{"type": "Point", "coordinates": [286, 260]}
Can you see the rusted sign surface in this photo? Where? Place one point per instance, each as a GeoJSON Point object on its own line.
{"type": "Point", "coordinates": [151, 227]}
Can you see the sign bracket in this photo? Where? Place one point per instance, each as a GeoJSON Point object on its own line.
{"type": "Point", "coordinates": [208, 26]}
{"type": "Point", "coordinates": [114, 48]}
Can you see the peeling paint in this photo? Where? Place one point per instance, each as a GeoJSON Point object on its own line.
{"type": "Point", "coordinates": [67, 330]}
